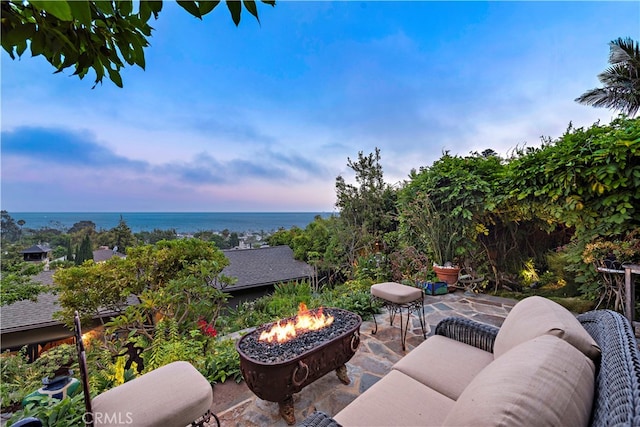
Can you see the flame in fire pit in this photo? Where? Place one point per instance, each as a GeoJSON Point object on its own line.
{"type": "Point", "coordinates": [303, 322]}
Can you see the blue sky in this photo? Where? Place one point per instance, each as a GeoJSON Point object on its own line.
{"type": "Point", "coordinates": [264, 116]}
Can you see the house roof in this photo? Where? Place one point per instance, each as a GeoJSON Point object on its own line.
{"type": "Point", "coordinates": [264, 266]}
{"type": "Point", "coordinates": [27, 315]}
{"type": "Point", "coordinates": [100, 255]}
{"type": "Point", "coordinates": [36, 249]}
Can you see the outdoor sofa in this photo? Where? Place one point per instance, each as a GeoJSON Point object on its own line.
{"type": "Point", "coordinates": [543, 366]}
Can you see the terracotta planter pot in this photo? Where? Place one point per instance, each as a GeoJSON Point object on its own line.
{"type": "Point", "coordinates": [447, 274]}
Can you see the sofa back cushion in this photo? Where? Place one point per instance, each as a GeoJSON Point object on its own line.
{"type": "Point", "coordinates": [536, 316]}
{"type": "Point", "coordinates": [544, 381]}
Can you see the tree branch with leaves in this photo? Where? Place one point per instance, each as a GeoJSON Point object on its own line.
{"type": "Point", "coordinates": [101, 36]}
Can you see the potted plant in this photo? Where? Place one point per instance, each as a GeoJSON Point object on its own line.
{"type": "Point", "coordinates": [441, 236]}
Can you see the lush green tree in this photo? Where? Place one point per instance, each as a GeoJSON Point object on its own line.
{"type": "Point", "coordinates": [234, 240]}
{"type": "Point", "coordinates": [82, 226]}
{"type": "Point", "coordinates": [119, 237]}
{"type": "Point", "coordinates": [621, 80]}
{"type": "Point", "coordinates": [587, 179]}
{"type": "Point", "coordinates": [219, 240]}
{"type": "Point", "coordinates": [367, 211]}
{"type": "Point", "coordinates": [85, 251]}
{"type": "Point", "coordinates": [16, 282]}
{"type": "Point", "coordinates": [154, 236]}
{"type": "Point", "coordinates": [284, 236]}
{"type": "Point", "coordinates": [445, 207]}
{"type": "Point", "coordinates": [174, 279]}
{"type": "Point", "coordinates": [9, 229]}
{"type": "Point", "coordinates": [90, 287]}
{"type": "Point", "coordinates": [124, 236]}
{"type": "Point", "coordinates": [98, 35]}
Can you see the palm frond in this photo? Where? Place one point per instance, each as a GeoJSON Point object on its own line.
{"type": "Point", "coordinates": [621, 79]}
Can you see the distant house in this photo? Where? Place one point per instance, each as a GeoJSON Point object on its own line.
{"type": "Point", "coordinates": [36, 253]}
{"type": "Point", "coordinates": [104, 253]}
{"type": "Point", "coordinates": [263, 267]}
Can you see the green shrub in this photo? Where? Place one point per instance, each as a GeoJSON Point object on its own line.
{"type": "Point", "coordinates": [246, 315]}
{"type": "Point", "coordinates": [222, 362]}
{"type": "Point", "coordinates": [18, 378]}
{"type": "Point", "coordinates": [353, 295]}
{"type": "Point", "coordinates": [67, 412]}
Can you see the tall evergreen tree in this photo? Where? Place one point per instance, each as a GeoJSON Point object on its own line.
{"type": "Point", "coordinates": [123, 236]}
{"type": "Point", "coordinates": [69, 250]}
{"type": "Point", "coordinates": [85, 252]}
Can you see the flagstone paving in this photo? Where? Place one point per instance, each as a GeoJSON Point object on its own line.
{"type": "Point", "coordinates": [236, 405]}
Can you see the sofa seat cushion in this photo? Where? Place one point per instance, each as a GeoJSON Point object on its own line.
{"type": "Point", "coordinates": [535, 316]}
{"type": "Point", "coordinates": [396, 400]}
{"type": "Point", "coordinates": [445, 365]}
{"type": "Point", "coordinates": [172, 395]}
{"type": "Point", "coordinates": [542, 382]}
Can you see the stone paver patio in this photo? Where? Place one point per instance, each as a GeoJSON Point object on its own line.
{"type": "Point", "coordinates": [236, 405]}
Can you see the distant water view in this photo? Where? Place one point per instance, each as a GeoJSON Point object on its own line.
{"type": "Point", "coordinates": [186, 222]}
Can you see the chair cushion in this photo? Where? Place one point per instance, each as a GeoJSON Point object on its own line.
{"type": "Point", "coordinates": [445, 365]}
{"type": "Point", "coordinates": [396, 400]}
{"type": "Point", "coordinates": [396, 292]}
{"type": "Point", "coordinates": [542, 382]}
{"type": "Point", "coordinates": [172, 395]}
{"type": "Point", "coordinates": [535, 316]}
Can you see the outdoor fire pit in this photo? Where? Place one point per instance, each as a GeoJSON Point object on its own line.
{"type": "Point", "coordinates": [280, 359]}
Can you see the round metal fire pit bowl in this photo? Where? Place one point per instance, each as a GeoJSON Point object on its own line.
{"type": "Point", "coordinates": [278, 381]}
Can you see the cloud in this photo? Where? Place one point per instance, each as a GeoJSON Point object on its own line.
{"type": "Point", "coordinates": [77, 157]}
{"type": "Point", "coordinates": [62, 147]}
{"type": "Point", "coordinates": [266, 165]}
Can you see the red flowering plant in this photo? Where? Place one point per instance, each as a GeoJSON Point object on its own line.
{"type": "Point", "coordinates": [207, 328]}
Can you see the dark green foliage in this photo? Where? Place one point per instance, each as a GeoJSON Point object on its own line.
{"type": "Point", "coordinates": [82, 226]}
{"type": "Point", "coordinates": [587, 179]}
{"type": "Point", "coordinates": [69, 250]}
{"type": "Point", "coordinates": [85, 251]}
{"type": "Point", "coordinates": [153, 237]}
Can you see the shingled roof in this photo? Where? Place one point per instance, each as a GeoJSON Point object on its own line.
{"type": "Point", "coordinates": [25, 315]}
{"type": "Point", "coordinates": [36, 249]}
{"type": "Point", "coordinates": [264, 266]}
{"type": "Point", "coordinates": [101, 255]}
{"type": "Point", "coordinates": [28, 315]}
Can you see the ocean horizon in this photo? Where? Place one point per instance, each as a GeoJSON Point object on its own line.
{"type": "Point", "coordinates": [182, 222]}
